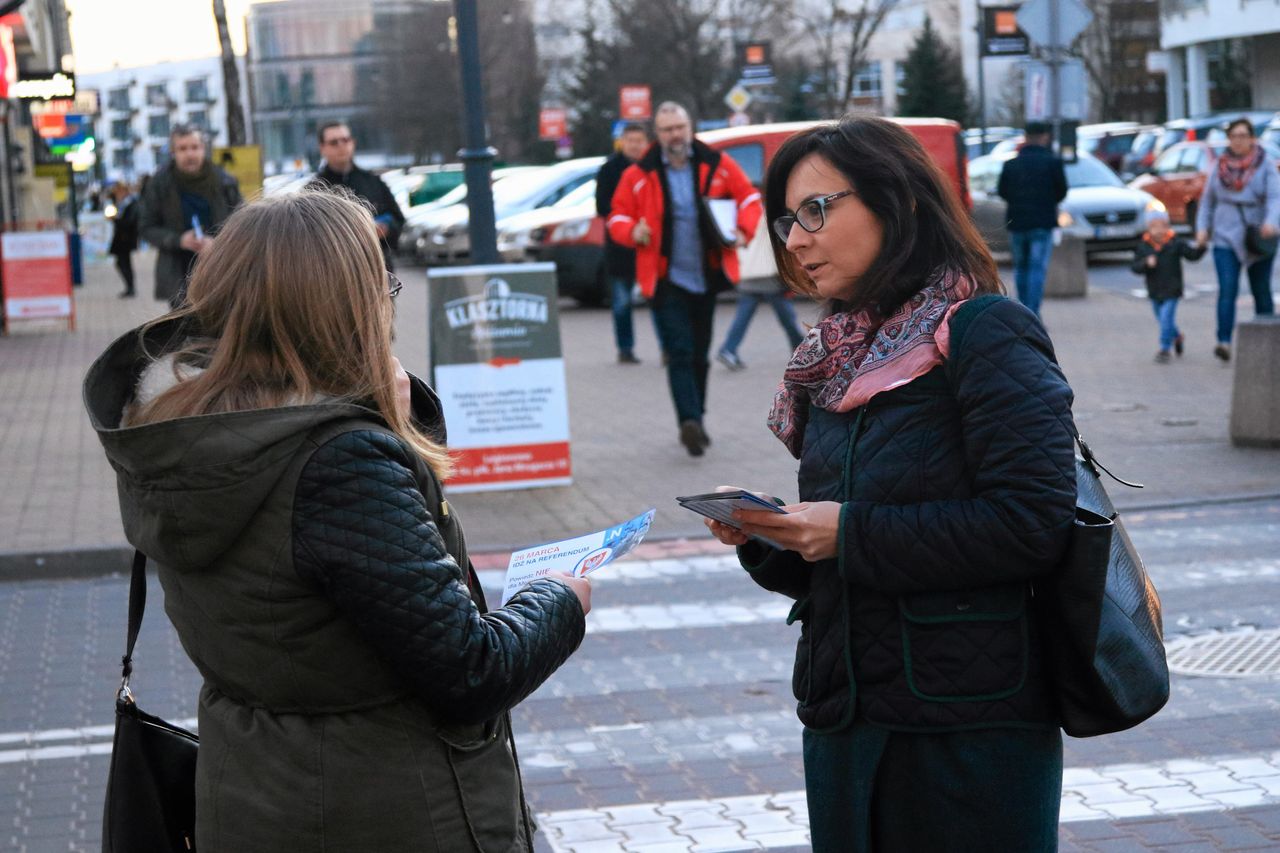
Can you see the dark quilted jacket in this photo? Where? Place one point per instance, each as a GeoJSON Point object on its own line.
{"type": "Point", "coordinates": [958, 488]}
{"type": "Point", "coordinates": [355, 688]}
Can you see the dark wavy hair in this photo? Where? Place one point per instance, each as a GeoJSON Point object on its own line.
{"type": "Point", "coordinates": [924, 224]}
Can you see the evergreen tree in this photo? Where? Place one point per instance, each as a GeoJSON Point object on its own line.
{"type": "Point", "coordinates": [594, 92]}
{"type": "Point", "coordinates": [933, 80]}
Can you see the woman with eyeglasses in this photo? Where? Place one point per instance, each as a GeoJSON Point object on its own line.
{"type": "Point", "coordinates": [1239, 211]}
{"type": "Point", "coordinates": [283, 472]}
{"type": "Point", "coordinates": [936, 481]}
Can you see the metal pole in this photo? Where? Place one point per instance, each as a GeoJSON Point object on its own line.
{"type": "Point", "coordinates": [477, 156]}
{"type": "Point", "coordinates": [982, 88]}
{"type": "Point", "coordinates": [1055, 82]}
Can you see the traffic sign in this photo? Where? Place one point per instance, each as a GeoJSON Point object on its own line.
{"type": "Point", "coordinates": [738, 99]}
{"type": "Point", "coordinates": [1071, 86]}
{"type": "Point", "coordinates": [1035, 20]}
{"type": "Point", "coordinates": [635, 102]}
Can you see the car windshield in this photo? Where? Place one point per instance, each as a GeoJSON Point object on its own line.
{"type": "Point", "coordinates": [522, 191]}
{"type": "Point", "coordinates": [1088, 172]}
{"type": "Point", "coordinates": [581, 195]}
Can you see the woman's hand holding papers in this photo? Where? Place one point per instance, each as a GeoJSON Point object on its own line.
{"type": "Point", "coordinates": [812, 530]}
{"type": "Point", "coordinates": [581, 587]}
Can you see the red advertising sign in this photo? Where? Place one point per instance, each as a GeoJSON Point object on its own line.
{"type": "Point", "coordinates": [35, 275]}
{"type": "Point", "coordinates": [553, 123]}
{"type": "Point", "coordinates": [634, 103]}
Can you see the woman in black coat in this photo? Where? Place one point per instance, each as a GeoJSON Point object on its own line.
{"type": "Point", "coordinates": [936, 480]}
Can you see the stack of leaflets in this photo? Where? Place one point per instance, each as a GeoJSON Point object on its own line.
{"type": "Point", "coordinates": [720, 506]}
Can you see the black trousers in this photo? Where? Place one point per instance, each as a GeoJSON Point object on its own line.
{"type": "Point", "coordinates": [684, 327]}
{"type": "Point", "coordinates": [124, 263]}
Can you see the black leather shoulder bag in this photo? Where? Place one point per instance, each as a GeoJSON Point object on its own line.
{"type": "Point", "coordinates": [151, 799]}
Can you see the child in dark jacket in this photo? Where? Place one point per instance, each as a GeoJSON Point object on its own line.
{"type": "Point", "coordinates": [1159, 257]}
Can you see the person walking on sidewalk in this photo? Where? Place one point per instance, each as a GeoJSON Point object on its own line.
{"type": "Point", "coordinates": [620, 261]}
{"type": "Point", "coordinates": [750, 294]}
{"type": "Point", "coordinates": [1032, 184]}
{"type": "Point", "coordinates": [183, 205]}
{"type": "Point", "coordinates": [682, 261]}
{"type": "Point", "coordinates": [340, 170]}
{"type": "Point", "coordinates": [283, 472]}
{"type": "Point", "coordinates": [1242, 192]}
{"type": "Point", "coordinates": [936, 481]}
{"type": "Point", "coordinates": [1159, 259]}
{"type": "Point", "coordinates": [124, 234]}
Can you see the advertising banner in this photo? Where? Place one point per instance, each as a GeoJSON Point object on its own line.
{"type": "Point", "coordinates": [35, 275]}
{"type": "Point", "coordinates": [634, 103]}
{"type": "Point", "coordinates": [498, 368]}
{"type": "Point", "coordinates": [1001, 35]}
{"type": "Point", "coordinates": [553, 123]}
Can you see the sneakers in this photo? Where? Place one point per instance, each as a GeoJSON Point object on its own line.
{"type": "Point", "coordinates": [127, 294]}
{"type": "Point", "coordinates": [1223, 352]}
{"type": "Point", "coordinates": [627, 357]}
{"type": "Point", "coordinates": [730, 360]}
{"type": "Point", "coordinates": [1177, 344]}
{"type": "Point", "coordinates": [1162, 357]}
{"type": "Point", "coordinates": [691, 435]}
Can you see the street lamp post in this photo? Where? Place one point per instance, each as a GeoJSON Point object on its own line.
{"type": "Point", "coordinates": [477, 155]}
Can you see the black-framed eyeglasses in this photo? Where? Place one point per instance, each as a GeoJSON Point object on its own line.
{"type": "Point", "coordinates": [394, 285]}
{"type": "Point", "coordinates": [810, 216]}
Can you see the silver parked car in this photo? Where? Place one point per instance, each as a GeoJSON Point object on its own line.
{"type": "Point", "coordinates": [1098, 209]}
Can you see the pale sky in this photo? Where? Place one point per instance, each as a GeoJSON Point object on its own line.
{"type": "Point", "coordinates": [143, 32]}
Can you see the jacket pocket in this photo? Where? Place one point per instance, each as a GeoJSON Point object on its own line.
{"type": "Point", "coordinates": [802, 674]}
{"type": "Point", "coordinates": [484, 772]}
{"type": "Point", "coordinates": [966, 645]}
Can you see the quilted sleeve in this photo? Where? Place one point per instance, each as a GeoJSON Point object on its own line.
{"type": "Point", "coordinates": [777, 571]}
{"type": "Point", "coordinates": [362, 532]}
{"type": "Point", "coordinates": [1018, 438]}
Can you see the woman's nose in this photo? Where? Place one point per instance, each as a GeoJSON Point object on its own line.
{"type": "Point", "coordinates": [797, 237]}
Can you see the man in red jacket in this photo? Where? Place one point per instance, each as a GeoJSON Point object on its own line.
{"type": "Point", "coordinates": [662, 209]}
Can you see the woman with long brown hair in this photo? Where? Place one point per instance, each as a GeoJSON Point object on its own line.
{"type": "Point", "coordinates": [283, 472]}
{"type": "Point", "coordinates": [936, 480]}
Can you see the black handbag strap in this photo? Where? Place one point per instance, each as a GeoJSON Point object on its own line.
{"type": "Point", "coordinates": [137, 604]}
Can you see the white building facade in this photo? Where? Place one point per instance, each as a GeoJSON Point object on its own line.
{"type": "Point", "coordinates": [1187, 27]}
{"type": "Point", "coordinates": [139, 105]}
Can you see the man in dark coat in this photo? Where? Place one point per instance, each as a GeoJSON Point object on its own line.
{"type": "Point", "coordinates": [619, 261]}
{"type": "Point", "coordinates": [182, 206]}
{"type": "Point", "coordinates": [124, 233]}
{"type": "Point", "coordinates": [1032, 184]}
{"type": "Point", "coordinates": [340, 170]}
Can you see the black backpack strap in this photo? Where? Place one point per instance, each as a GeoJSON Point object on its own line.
{"type": "Point", "coordinates": [137, 604]}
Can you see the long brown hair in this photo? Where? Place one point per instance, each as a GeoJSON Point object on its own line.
{"type": "Point", "coordinates": [924, 224]}
{"type": "Point", "coordinates": [291, 302]}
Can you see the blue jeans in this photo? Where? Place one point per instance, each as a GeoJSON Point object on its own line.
{"type": "Point", "coordinates": [747, 304]}
{"type": "Point", "coordinates": [1228, 266]}
{"type": "Point", "coordinates": [1031, 250]}
{"type": "Point", "coordinates": [1166, 311]}
{"type": "Point", "coordinates": [623, 331]}
{"type": "Point", "coordinates": [684, 330]}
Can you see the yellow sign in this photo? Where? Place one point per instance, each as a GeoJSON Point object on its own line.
{"type": "Point", "coordinates": [58, 171]}
{"type": "Point", "coordinates": [244, 163]}
{"type": "Point", "coordinates": [738, 99]}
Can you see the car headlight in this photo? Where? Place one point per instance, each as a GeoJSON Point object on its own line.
{"type": "Point", "coordinates": [439, 237]}
{"type": "Point", "coordinates": [1156, 206]}
{"type": "Point", "coordinates": [1065, 219]}
{"type": "Point", "coordinates": [574, 229]}
{"type": "Point", "coordinates": [513, 239]}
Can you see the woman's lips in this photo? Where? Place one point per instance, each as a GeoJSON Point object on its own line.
{"type": "Point", "coordinates": [812, 269]}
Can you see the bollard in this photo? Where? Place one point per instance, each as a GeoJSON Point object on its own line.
{"type": "Point", "coordinates": [1068, 276]}
{"type": "Point", "coordinates": [1255, 390]}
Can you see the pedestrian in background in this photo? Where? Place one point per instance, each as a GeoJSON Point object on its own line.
{"type": "Point", "coordinates": [283, 472]}
{"type": "Point", "coordinates": [1158, 258]}
{"type": "Point", "coordinates": [750, 294]}
{"type": "Point", "coordinates": [1032, 183]}
{"type": "Point", "coordinates": [682, 260]}
{"type": "Point", "coordinates": [1243, 191]}
{"type": "Point", "coordinates": [936, 481]}
{"type": "Point", "coordinates": [338, 147]}
{"type": "Point", "coordinates": [183, 205]}
{"type": "Point", "coordinates": [619, 260]}
{"type": "Point", "coordinates": [124, 234]}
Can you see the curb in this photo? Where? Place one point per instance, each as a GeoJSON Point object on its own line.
{"type": "Point", "coordinates": [87, 563]}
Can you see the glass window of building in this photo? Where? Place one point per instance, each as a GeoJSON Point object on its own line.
{"type": "Point", "coordinates": [198, 90]}
{"type": "Point", "coordinates": [198, 118]}
{"type": "Point", "coordinates": [159, 154]}
{"type": "Point", "coordinates": [866, 83]}
{"type": "Point", "coordinates": [158, 124]}
{"type": "Point", "coordinates": [157, 94]}
{"type": "Point", "coordinates": [118, 99]}
{"type": "Point", "coordinates": [122, 158]}
{"type": "Point", "coordinates": [120, 130]}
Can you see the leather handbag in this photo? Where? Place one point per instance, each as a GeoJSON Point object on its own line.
{"type": "Point", "coordinates": [1254, 242]}
{"type": "Point", "coordinates": [150, 803]}
{"type": "Point", "coordinates": [1101, 621]}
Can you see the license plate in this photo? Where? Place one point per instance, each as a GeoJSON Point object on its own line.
{"type": "Point", "coordinates": [1111, 232]}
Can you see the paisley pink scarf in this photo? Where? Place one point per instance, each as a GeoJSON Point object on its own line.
{"type": "Point", "coordinates": [848, 358]}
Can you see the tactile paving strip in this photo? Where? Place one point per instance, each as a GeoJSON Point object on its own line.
{"type": "Point", "coordinates": [1238, 654]}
